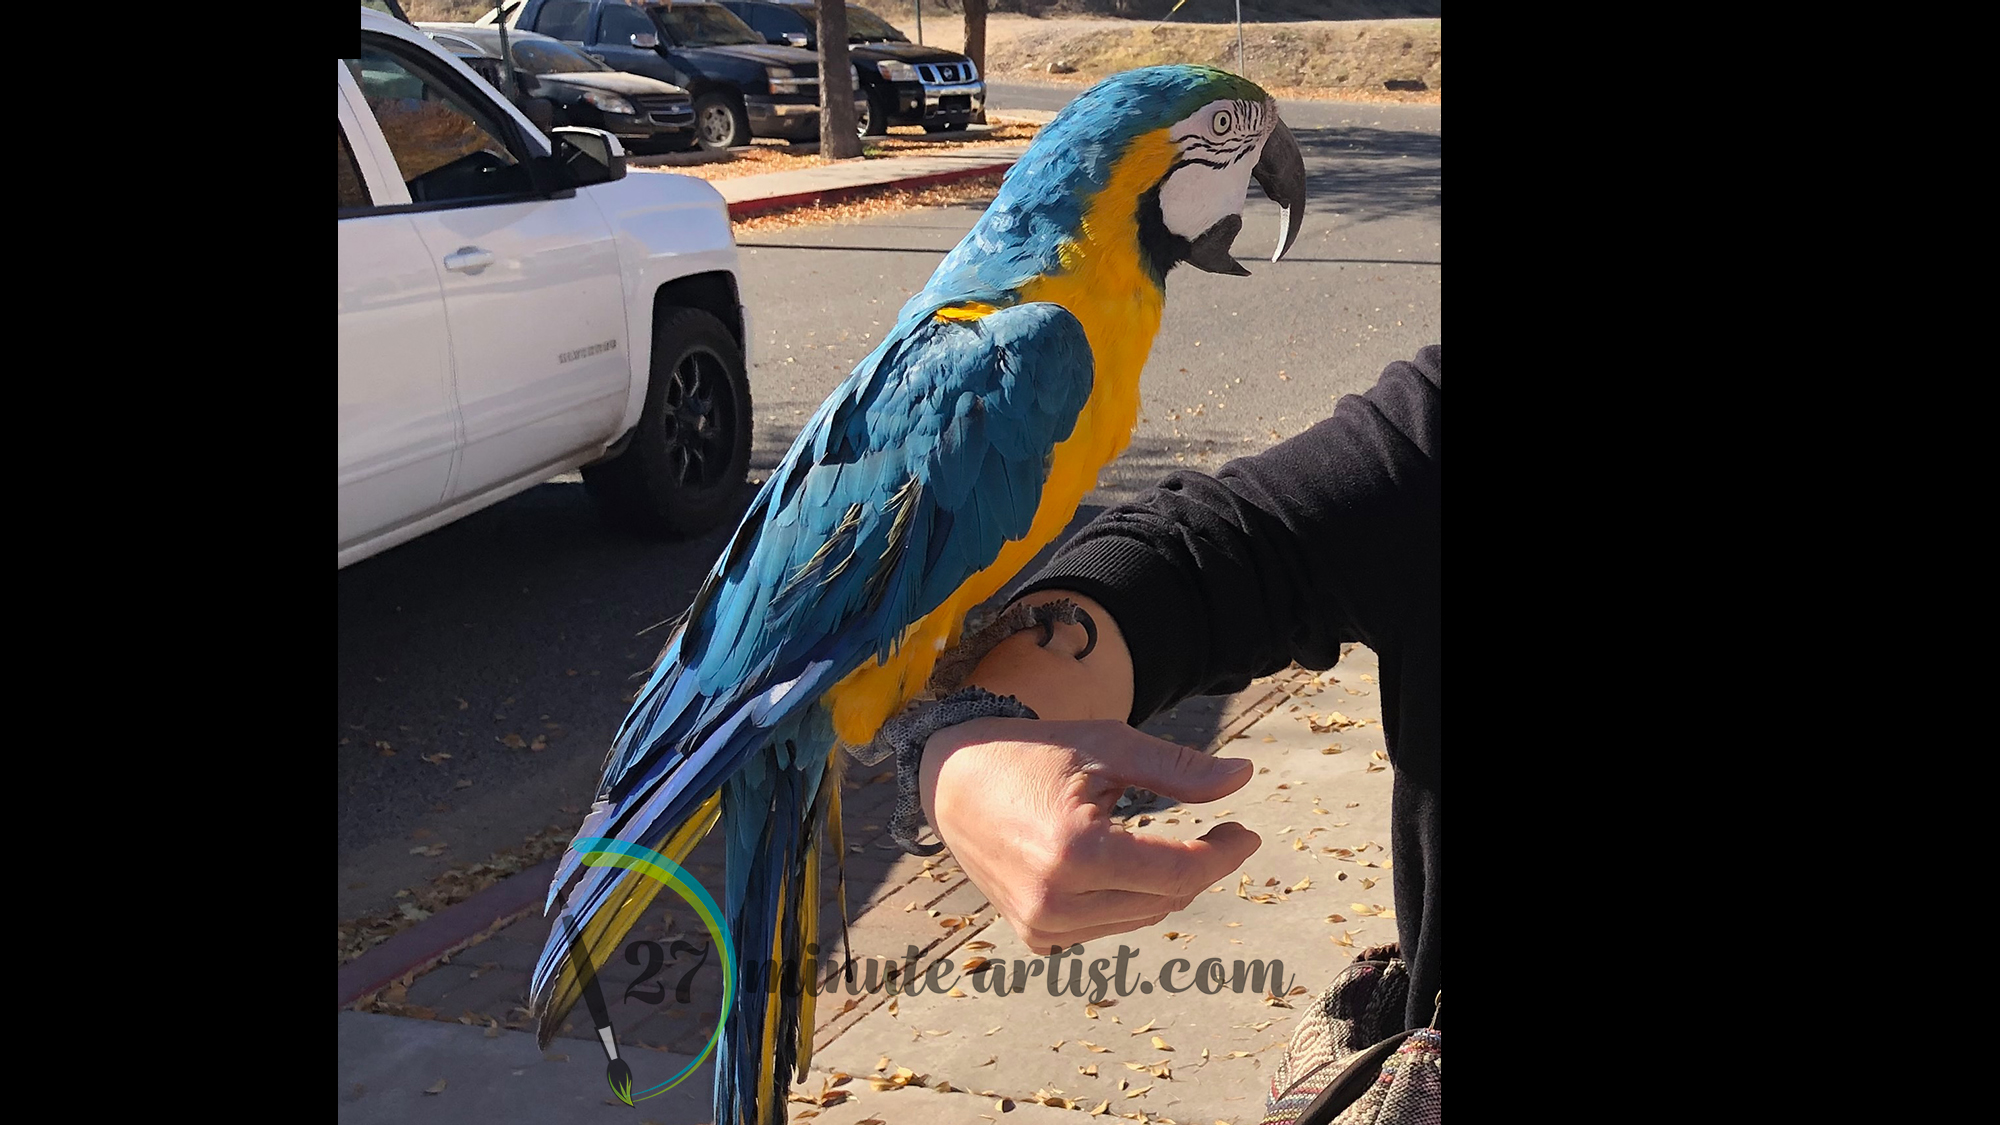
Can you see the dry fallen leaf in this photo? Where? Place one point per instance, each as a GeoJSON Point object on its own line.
{"type": "Point", "coordinates": [1090, 1070]}
{"type": "Point", "coordinates": [1302, 884]}
{"type": "Point", "coordinates": [437, 1089]}
{"type": "Point", "coordinates": [1092, 1047]}
{"type": "Point", "coordinates": [960, 992]}
{"type": "Point", "coordinates": [513, 741]}
{"type": "Point", "coordinates": [1161, 1043]}
{"type": "Point", "coordinates": [978, 945]}
{"type": "Point", "coordinates": [1143, 1030]}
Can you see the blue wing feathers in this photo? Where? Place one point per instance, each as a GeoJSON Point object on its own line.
{"type": "Point", "coordinates": [947, 426]}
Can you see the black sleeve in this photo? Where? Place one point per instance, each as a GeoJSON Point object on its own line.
{"type": "Point", "coordinates": [1328, 537]}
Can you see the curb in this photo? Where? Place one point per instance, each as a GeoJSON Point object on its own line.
{"type": "Point", "coordinates": [744, 207]}
{"type": "Point", "coordinates": [446, 932]}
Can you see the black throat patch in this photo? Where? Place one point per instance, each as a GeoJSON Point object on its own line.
{"type": "Point", "coordinates": [1161, 248]}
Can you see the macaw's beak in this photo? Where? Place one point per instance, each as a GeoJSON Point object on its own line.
{"type": "Point", "coordinates": [1281, 172]}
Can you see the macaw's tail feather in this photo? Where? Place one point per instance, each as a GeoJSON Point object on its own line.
{"type": "Point", "coordinates": [773, 824]}
{"type": "Point", "coordinates": [594, 944]}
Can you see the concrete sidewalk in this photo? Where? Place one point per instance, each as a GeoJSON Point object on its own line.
{"type": "Point", "coordinates": [1316, 893]}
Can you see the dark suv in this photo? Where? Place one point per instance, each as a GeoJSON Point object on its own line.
{"type": "Point", "coordinates": [742, 86]}
{"type": "Point", "coordinates": [905, 84]}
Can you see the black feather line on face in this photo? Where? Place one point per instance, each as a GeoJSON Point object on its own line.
{"type": "Point", "coordinates": [1160, 248]}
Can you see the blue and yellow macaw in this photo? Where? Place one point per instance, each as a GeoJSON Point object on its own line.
{"type": "Point", "coordinates": [949, 457]}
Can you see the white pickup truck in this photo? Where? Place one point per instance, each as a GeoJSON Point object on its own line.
{"type": "Point", "coordinates": [513, 307]}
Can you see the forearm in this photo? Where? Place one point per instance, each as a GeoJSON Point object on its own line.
{"type": "Point", "coordinates": [1050, 679]}
{"type": "Point", "coordinates": [1328, 537]}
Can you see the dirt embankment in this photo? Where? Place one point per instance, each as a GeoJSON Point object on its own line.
{"type": "Point", "coordinates": [1335, 59]}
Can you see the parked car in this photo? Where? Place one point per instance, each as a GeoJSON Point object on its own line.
{"type": "Point", "coordinates": [643, 113]}
{"type": "Point", "coordinates": [513, 306]}
{"type": "Point", "coordinates": [743, 87]}
{"type": "Point", "coordinates": [905, 84]}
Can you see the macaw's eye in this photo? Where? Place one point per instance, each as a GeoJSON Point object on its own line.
{"type": "Point", "coordinates": [1221, 122]}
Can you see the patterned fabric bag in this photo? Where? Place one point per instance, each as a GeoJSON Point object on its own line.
{"type": "Point", "coordinates": [1350, 1061]}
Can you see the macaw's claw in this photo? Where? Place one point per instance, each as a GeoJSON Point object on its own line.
{"type": "Point", "coordinates": [1068, 613]}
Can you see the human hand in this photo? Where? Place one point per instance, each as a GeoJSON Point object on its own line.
{"type": "Point", "coordinates": [1025, 806]}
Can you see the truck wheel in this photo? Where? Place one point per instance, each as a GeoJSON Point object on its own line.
{"type": "Point", "coordinates": [690, 454]}
{"type": "Point", "coordinates": [720, 121]}
{"type": "Point", "coordinates": [876, 121]}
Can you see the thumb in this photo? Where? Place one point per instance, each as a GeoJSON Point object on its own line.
{"type": "Point", "coordinates": [1176, 771]}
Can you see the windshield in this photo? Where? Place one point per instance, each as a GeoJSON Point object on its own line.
{"type": "Point", "coordinates": [704, 25]}
{"type": "Point", "coordinates": [538, 57]}
{"type": "Point", "coordinates": [864, 26]}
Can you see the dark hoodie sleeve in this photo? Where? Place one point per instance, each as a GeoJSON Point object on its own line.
{"type": "Point", "coordinates": [1328, 537]}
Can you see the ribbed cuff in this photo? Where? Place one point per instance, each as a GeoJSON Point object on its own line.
{"type": "Point", "coordinates": [1154, 606]}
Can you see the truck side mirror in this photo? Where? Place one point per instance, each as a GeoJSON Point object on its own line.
{"type": "Point", "coordinates": [797, 38]}
{"type": "Point", "coordinates": [645, 40]}
{"type": "Point", "coordinates": [591, 156]}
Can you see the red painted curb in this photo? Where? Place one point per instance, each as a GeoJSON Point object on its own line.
{"type": "Point", "coordinates": [744, 207]}
{"type": "Point", "coordinates": [441, 933]}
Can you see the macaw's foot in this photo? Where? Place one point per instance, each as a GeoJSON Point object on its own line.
{"type": "Point", "coordinates": [955, 667]}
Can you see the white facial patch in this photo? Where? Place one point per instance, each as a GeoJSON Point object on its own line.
{"type": "Point", "coordinates": [1219, 145]}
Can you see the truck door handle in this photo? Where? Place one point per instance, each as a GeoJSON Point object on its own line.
{"type": "Point", "coordinates": [468, 259]}
{"type": "Point", "coordinates": [599, 58]}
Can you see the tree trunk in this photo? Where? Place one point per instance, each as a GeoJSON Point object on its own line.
{"type": "Point", "coordinates": [838, 139]}
{"type": "Point", "coordinates": [975, 34]}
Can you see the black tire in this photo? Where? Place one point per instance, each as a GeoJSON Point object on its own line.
{"type": "Point", "coordinates": [684, 470]}
{"type": "Point", "coordinates": [720, 121]}
{"type": "Point", "coordinates": [877, 122]}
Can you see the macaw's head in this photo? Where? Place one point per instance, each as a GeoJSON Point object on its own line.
{"type": "Point", "coordinates": [1162, 158]}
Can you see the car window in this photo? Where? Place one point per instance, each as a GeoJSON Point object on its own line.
{"type": "Point", "coordinates": [539, 56]}
{"type": "Point", "coordinates": [353, 189]}
{"type": "Point", "coordinates": [563, 19]}
{"type": "Point", "coordinates": [446, 147]}
{"type": "Point", "coordinates": [619, 24]}
{"type": "Point", "coordinates": [767, 22]}
{"type": "Point", "coordinates": [864, 26]}
{"type": "Point", "coordinates": [705, 25]}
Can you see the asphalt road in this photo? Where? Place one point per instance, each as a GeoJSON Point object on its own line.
{"type": "Point", "coordinates": [524, 620]}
